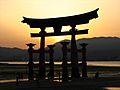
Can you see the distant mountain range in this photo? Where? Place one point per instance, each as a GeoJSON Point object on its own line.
{"type": "Point", "coordinates": [99, 48]}
{"type": "Point", "coordinates": [12, 54]}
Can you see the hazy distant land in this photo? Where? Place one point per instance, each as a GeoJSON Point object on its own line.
{"type": "Point", "coordinates": [99, 48]}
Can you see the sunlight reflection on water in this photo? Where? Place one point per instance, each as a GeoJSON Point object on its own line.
{"type": "Point", "coordinates": [112, 88]}
{"type": "Point", "coordinates": [12, 80]}
{"type": "Point", "coordinates": [94, 63]}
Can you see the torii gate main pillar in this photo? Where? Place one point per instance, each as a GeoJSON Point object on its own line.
{"type": "Point", "coordinates": [42, 54]}
{"type": "Point", "coordinates": [74, 54]}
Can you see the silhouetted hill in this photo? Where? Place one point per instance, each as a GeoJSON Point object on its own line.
{"type": "Point", "coordinates": [99, 48]}
{"type": "Point", "coordinates": [12, 54]}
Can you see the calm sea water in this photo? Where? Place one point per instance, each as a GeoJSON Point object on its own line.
{"type": "Point", "coordinates": [93, 63]}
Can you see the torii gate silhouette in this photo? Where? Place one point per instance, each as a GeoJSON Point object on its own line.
{"type": "Point", "coordinates": [57, 24]}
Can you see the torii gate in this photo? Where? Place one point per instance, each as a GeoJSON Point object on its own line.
{"type": "Point", "coordinates": [57, 24]}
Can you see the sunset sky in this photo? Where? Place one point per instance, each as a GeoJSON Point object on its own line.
{"type": "Point", "coordinates": [13, 33]}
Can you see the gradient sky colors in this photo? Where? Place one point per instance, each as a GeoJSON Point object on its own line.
{"type": "Point", "coordinates": [13, 33]}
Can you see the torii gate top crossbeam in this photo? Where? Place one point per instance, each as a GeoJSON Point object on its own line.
{"type": "Point", "coordinates": [61, 21]}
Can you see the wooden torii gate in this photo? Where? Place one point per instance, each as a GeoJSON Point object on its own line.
{"type": "Point", "coordinates": [57, 24]}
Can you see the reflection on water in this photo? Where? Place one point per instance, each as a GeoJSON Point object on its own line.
{"type": "Point", "coordinates": [112, 88]}
{"type": "Point", "coordinates": [12, 80]}
{"type": "Point", "coordinates": [4, 81]}
{"type": "Point", "coordinates": [104, 63]}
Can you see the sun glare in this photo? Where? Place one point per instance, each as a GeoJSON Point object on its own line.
{"type": "Point", "coordinates": [59, 38]}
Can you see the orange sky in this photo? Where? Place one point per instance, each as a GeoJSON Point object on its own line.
{"type": "Point", "coordinates": [13, 33]}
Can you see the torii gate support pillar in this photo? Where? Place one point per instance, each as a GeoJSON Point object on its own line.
{"type": "Point", "coordinates": [64, 63]}
{"type": "Point", "coordinates": [51, 64]}
{"type": "Point", "coordinates": [30, 64]}
{"type": "Point", "coordinates": [84, 63]}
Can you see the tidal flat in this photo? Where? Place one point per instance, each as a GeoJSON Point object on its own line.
{"type": "Point", "coordinates": [9, 71]}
